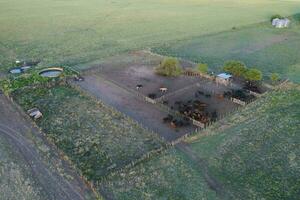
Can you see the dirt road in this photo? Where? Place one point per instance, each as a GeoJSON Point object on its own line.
{"type": "Point", "coordinates": [22, 136]}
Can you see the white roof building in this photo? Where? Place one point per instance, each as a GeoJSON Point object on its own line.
{"type": "Point", "coordinates": [224, 78]}
{"type": "Point", "coordinates": [281, 23]}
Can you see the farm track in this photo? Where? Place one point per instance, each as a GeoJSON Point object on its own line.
{"type": "Point", "coordinates": [53, 184]}
{"type": "Point", "coordinates": [211, 181]}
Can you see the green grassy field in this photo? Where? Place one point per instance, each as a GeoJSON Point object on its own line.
{"type": "Point", "coordinates": [256, 154]}
{"type": "Point", "coordinates": [78, 31]}
{"type": "Point", "coordinates": [98, 139]}
{"type": "Point", "coordinates": [259, 45]}
{"type": "Point", "coordinates": [169, 176]}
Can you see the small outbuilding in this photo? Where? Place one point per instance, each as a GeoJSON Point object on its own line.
{"type": "Point", "coordinates": [224, 78]}
{"type": "Point", "coordinates": [281, 23]}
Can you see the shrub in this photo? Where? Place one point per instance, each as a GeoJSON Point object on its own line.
{"type": "Point", "coordinates": [235, 68]}
{"type": "Point", "coordinates": [169, 67]}
{"type": "Point", "coordinates": [203, 68]}
{"type": "Point", "coordinates": [14, 83]}
{"type": "Point", "coordinates": [296, 17]}
{"type": "Point", "coordinates": [274, 77]}
{"type": "Point", "coordinates": [276, 16]}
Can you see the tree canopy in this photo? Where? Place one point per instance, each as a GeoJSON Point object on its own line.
{"type": "Point", "coordinates": [169, 67]}
{"type": "Point", "coordinates": [274, 77]}
{"type": "Point", "coordinates": [235, 68]}
{"type": "Point", "coordinates": [253, 75]}
{"type": "Point", "coordinates": [203, 68]}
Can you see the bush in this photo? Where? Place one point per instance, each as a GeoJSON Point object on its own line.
{"type": "Point", "coordinates": [274, 77]}
{"type": "Point", "coordinates": [169, 67]}
{"type": "Point", "coordinates": [203, 68]}
{"type": "Point", "coordinates": [235, 68]}
{"type": "Point", "coordinates": [14, 83]}
{"type": "Point", "coordinates": [276, 16]}
{"type": "Point", "coordinates": [296, 17]}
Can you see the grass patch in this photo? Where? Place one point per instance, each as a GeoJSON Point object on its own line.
{"type": "Point", "coordinates": [257, 155]}
{"type": "Point", "coordinates": [170, 176]}
{"type": "Point", "coordinates": [95, 137]}
{"type": "Point", "coordinates": [260, 46]}
{"type": "Point", "coordinates": [79, 31]}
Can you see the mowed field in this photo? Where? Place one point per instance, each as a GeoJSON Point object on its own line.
{"type": "Point", "coordinates": [259, 45]}
{"type": "Point", "coordinates": [76, 32]}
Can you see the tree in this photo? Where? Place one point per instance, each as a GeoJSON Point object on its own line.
{"type": "Point", "coordinates": [169, 67]}
{"type": "Point", "coordinates": [203, 68]}
{"type": "Point", "coordinates": [235, 68]}
{"type": "Point", "coordinates": [253, 75]}
{"type": "Point", "coordinates": [274, 77]}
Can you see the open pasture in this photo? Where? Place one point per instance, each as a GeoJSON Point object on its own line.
{"type": "Point", "coordinates": [254, 152]}
{"type": "Point", "coordinates": [259, 45]}
{"type": "Point", "coordinates": [170, 176]}
{"type": "Point", "coordinates": [79, 31]}
{"type": "Point", "coordinates": [96, 138]}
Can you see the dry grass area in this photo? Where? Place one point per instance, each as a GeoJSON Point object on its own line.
{"type": "Point", "coordinates": [98, 139]}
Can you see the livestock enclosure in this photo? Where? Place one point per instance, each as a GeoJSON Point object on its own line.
{"type": "Point", "coordinates": [188, 102]}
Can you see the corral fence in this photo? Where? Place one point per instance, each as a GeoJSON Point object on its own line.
{"type": "Point", "coordinates": [150, 100]}
{"type": "Point", "coordinates": [197, 123]}
{"type": "Point", "coordinates": [198, 74]}
{"type": "Point", "coordinates": [182, 90]}
{"type": "Point", "coordinates": [254, 93]}
{"type": "Point", "coordinates": [237, 101]}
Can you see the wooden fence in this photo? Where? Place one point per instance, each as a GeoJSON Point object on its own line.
{"type": "Point", "coordinates": [182, 90]}
{"type": "Point", "coordinates": [198, 74]}
{"type": "Point", "coordinates": [237, 101]}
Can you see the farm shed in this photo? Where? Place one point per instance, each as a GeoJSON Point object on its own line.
{"type": "Point", "coordinates": [281, 23]}
{"type": "Point", "coordinates": [224, 78]}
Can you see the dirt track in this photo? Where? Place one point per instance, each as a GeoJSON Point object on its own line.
{"type": "Point", "coordinates": [20, 134]}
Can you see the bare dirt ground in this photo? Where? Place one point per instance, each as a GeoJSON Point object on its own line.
{"type": "Point", "coordinates": [137, 68]}
{"type": "Point", "coordinates": [55, 177]}
{"type": "Point", "coordinates": [221, 105]}
{"type": "Point", "coordinates": [148, 115]}
{"type": "Point", "coordinates": [114, 82]}
{"type": "Point", "coordinates": [143, 75]}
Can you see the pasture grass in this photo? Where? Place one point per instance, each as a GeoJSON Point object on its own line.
{"type": "Point", "coordinates": [78, 31]}
{"type": "Point", "coordinates": [16, 176]}
{"type": "Point", "coordinates": [260, 45]}
{"type": "Point", "coordinates": [97, 139]}
{"type": "Point", "coordinates": [255, 155]}
{"type": "Point", "coordinates": [169, 176]}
